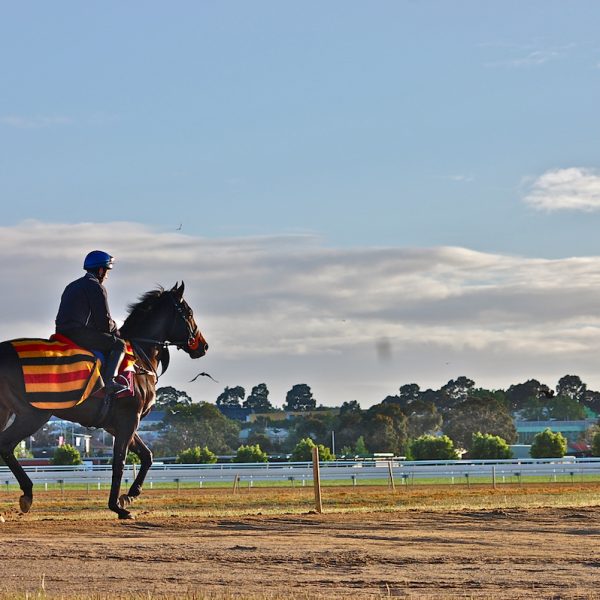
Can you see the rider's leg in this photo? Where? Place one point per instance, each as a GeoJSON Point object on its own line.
{"type": "Point", "coordinates": [111, 368]}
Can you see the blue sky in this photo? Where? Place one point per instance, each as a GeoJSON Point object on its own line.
{"type": "Point", "coordinates": [325, 130]}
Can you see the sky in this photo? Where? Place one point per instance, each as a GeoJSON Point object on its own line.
{"type": "Point", "coordinates": [357, 195]}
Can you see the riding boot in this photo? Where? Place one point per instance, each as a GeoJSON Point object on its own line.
{"type": "Point", "coordinates": [111, 370]}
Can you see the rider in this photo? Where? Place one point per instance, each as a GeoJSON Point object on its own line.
{"type": "Point", "coordinates": [83, 316]}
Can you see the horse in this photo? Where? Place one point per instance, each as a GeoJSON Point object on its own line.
{"type": "Point", "coordinates": [161, 318]}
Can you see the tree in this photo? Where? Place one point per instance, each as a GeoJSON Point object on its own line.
{"type": "Point", "coordinates": [409, 392]}
{"type": "Point", "coordinates": [422, 418]}
{"type": "Point", "coordinates": [385, 428]}
{"type": "Point", "coordinates": [534, 409]}
{"type": "Point", "coordinates": [200, 424]}
{"type": "Point", "coordinates": [571, 386]}
{"type": "Point", "coordinates": [487, 446]}
{"type": "Point", "coordinates": [348, 424]}
{"type": "Point", "coordinates": [300, 398]}
{"type": "Point", "coordinates": [429, 447]}
{"type": "Point", "coordinates": [196, 456]}
{"type": "Point", "coordinates": [66, 455]}
{"type": "Point", "coordinates": [483, 414]}
{"type": "Point", "coordinates": [350, 407]}
{"type": "Point", "coordinates": [548, 444]}
{"type": "Point", "coordinates": [258, 400]}
{"type": "Point", "coordinates": [316, 427]}
{"type": "Point", "coordinates": [393, 400]}
{"type": "Point", "coordinates": [361, 448]}
{"type": "Point", "coordinates": [168, 397]}
{"type": "Point", "coordinates": [250, 454]}
{"type": "Point", "coordinates": [261, 439]}
{"type": "Point", "coordinates": [591, 400]}
{"type": "Point", "coordinates": [231, 396]}
{"type": "Point", "coordinates": [596, 444]}
{"type": "Point", "coordinates": [303, 451]}
{"type": "Point", "coordinates": [132, 458]}
{"type": "Point", "coordinates": [455, 392]}
{"type": "Point", "coordinates": [565, 408]}
{"type": "Point", "coordinates": [519, 395]}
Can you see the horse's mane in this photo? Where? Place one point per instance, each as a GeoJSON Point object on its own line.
{"type": "Point", "coordinates": [140, 309]}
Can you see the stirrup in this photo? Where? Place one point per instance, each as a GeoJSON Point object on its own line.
{"type": "Point", "coordinates": [114, 386]}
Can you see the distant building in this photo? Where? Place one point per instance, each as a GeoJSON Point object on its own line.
{"type": "Point", "coordinates": [236, 413]}
{"type": "Point", "coordinates": [274, 434]}
{"type": "Point", "coordinates": [571, 430]}
{"type": "Point", "coordinates": [283, 415]}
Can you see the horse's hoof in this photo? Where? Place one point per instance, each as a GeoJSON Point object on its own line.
{"type": "Point", "coordinates": [125, 500]}
{"type": "Point", "coordinates": [1, 519]}
{"type": "Point", "coordinates": [126, 516]}
{"type": "Point", "coordinates": [25, 503]}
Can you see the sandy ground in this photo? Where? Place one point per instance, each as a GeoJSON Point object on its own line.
{"type": "Point", "coordinates": [546, 553]}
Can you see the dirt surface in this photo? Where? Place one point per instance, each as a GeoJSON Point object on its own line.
{"type": "Point", "coordinates": [544, 553]}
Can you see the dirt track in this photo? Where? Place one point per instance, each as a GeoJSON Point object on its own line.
{"type": "Point", "coordinates": [549, 553]}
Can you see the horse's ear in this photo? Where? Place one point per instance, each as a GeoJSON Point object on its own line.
{"type": "Point", "coordinates": [174, 288]}
{"type": "Point", "coordinates": [178, 289]}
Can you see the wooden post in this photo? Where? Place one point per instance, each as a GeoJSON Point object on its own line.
{"type": "Point", "coordinates": [494, 476]}
{"type": "Point", "coordinates": [317, 480]}
{"type": "Point", "coordinates": [392, 484]}
{"type": "Point", "coordinates": [236, 483]}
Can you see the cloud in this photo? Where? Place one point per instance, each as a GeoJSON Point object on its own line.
{"type": "Point", "coordinates": [34, 122]}
{"type": "Point", "coordinates": [533, 58]}
{"type": "Point", "coordinates": [460, 178]}
{"type": "Point", "coordinates": [566, 189]}
{"type": "Point", "coordinates": [288, 309]}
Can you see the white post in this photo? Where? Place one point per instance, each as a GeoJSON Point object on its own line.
{"type": "Point", "coordinates": [317, 480]}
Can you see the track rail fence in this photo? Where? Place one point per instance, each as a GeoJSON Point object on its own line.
{"type": "Point", "coordinates": [331, 473]}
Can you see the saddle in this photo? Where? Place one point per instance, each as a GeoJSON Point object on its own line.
{"type": "Point", "coordinates": [59, 374]}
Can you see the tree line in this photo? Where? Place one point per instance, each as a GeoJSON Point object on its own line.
{"type": "Point", "coordinates": [459, 409]}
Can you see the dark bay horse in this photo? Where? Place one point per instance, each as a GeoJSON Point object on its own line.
{"type": "Point", "coordinates": [161, 318]}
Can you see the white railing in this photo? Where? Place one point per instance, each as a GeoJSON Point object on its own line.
{"type": "Point", "coordinates": [301, 472]}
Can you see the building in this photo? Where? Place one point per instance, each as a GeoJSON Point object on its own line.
{"type": "Point", "coordinates": [573, 431]}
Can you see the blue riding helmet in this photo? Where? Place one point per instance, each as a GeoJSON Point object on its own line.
{"type": "Point", "coordinates": [96, 259]}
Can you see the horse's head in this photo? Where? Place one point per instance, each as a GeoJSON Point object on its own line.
{"type": "Point", "coordinates": [184, 332]}
{"type": "Point", "coordinates": [165, 318]}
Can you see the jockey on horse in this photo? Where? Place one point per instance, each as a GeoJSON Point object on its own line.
{"type": "Point", "coordinates": [84, 317]}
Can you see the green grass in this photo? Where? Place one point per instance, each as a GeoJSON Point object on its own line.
{"type": "Point", "coordinates": [244, 483]}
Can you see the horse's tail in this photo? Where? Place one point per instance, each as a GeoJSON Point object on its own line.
{"type": "Point", "coordinates": [6, 409]}
{"type": "Point", "coordinates": [5, 415]}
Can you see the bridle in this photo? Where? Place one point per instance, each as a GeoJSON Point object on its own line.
{"type": "Point", "coordinates": [192, 341]}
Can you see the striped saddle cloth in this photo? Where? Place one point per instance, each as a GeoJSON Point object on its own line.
{"type": "Point", "coordinates": [57, 373]}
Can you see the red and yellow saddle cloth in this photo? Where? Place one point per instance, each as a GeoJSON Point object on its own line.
{"type": "Point", "coordinates": [59, 374]}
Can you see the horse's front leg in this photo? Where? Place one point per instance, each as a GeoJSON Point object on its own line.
{"type": "Point", "coordinates": [145, 455]}
{"type": "Point", "coordinates": [118, 465]}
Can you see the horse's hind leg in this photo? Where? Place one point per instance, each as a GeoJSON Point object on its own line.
{"type": "Point", "coordinates": [145, 455]}
{"type": "Point", "coordinates": [23, 426]}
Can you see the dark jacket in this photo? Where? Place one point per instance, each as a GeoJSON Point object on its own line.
{"type": "Point", "coordinates": [84, 303]}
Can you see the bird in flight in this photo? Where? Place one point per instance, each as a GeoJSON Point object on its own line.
{"type": "Point", "coordinates": [180, 226]}
{"type": "Point", "coordinates": [203, 374]}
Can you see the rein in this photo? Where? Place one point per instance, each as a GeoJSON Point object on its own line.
{"type": "Point", "coordinates": [191, 343]}
{"type": "Point", "coordinates": [144, 356]}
